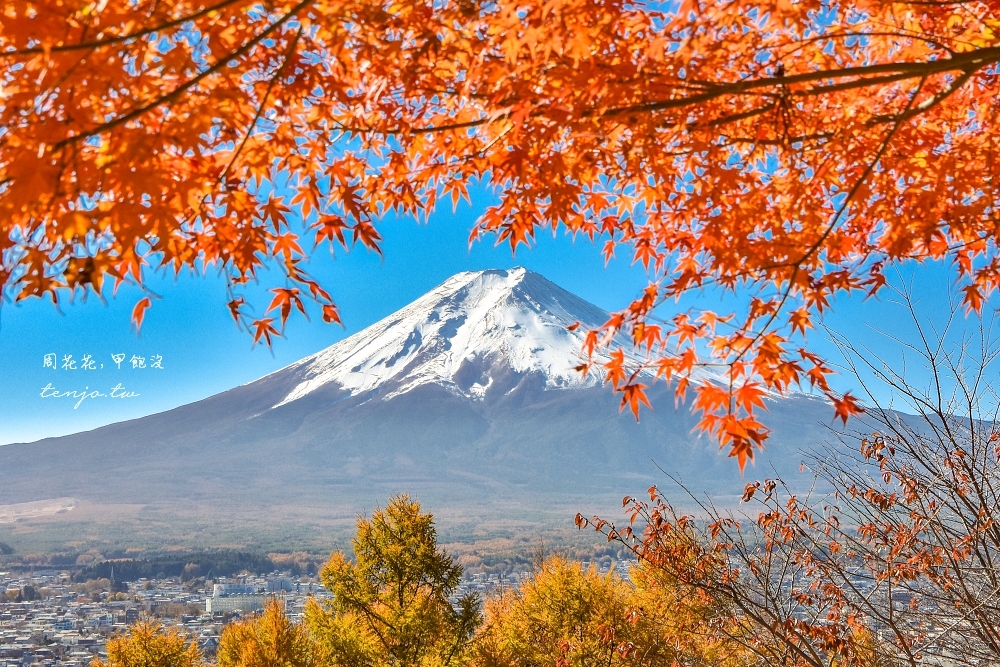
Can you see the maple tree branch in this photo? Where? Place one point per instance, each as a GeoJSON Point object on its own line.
{"type": "Point", "coordinates": [460, 126]}
{"type": "Point", "coordinates": [798, 138]}
{"type": "Point", "coordinates": [857, 83]}
{"type": "Point", "coordinates": [797, 266]}
{"type": "Point", "coordinates": [864, 176]}
{"type": "Point", "coordinates": [263, 104]}
{"type": "Point", "coordinates": [736, 117]}
{"type": "Point", "coordinates": [932, 40]}
{"type": "Point", "coordinates": [173, 23]}
{"type": "Point", "coordinates": [966, 62]}
{"type": "Point", "coordinates": [963, 61]}
{"type": "Point", "coordinates": [931, 102]}
{"type": "Point", "coordinates": [174, 94]}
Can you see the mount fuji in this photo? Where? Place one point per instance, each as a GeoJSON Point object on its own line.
{"type": "Point", "coordinates": [467, 398]}
{"type": "Point", "coordinates": [478, 332]}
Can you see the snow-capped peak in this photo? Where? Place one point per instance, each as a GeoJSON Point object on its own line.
{"type": "Point", "coordinates": [459, 335]}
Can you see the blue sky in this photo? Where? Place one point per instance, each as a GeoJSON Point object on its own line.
{"type": "Point", "coordinates": [203, 353]}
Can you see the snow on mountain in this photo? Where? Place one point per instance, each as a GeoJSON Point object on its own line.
{"type": "Point", "coordinates": [462, 335]}
{"type": "Point", "coordinates": [486, 319]}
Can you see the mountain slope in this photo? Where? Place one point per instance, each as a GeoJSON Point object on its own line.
{"type": "Point", "coordinates": [467, 398]}
{"type": "Point", "coordinates": [452, 335]}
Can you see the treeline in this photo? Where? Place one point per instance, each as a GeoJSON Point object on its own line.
{"type": "Point", "coordinates": [211, 564]}
{"type": "Point", "coordinates": [12, 559]}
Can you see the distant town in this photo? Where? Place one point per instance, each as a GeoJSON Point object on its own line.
{"type": "Point", "coordinates": [48, 620]}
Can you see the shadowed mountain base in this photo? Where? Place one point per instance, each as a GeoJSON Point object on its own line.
{"type": "Point", "coordinates": [230, 471]}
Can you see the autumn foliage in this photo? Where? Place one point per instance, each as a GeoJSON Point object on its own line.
{"type": "Point", "coordinates": [269, 639]}
{"type": "Point", "coordinates": [397, 603]}
{"type": "Point", "coordinates": [787, 151]}
{"type": "Point", "coordinates": [569, 615]}
{"type": "Point", "coordinates": [890, 558]}
{"type": "Point", "coordinates": [149, 644]}
{"type": "Point", "coordinates": [791, 586]}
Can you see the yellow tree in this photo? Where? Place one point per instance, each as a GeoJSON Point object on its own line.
{"type": "Point", "coordinates": [392, 606]}
{"type": "Point", "coordinates": [268, 640]}
{"type": "Point", "coordinates": [572, 616]}
{"type": "Point", "coordinates": [149, 644]}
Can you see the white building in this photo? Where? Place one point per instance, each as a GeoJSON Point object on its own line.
{"type": "Point", "coordinates": [242, 603]}
{"type": "Point", "coordinates": [280, 584]}
{"type": "Point", "coordinates": [224, 590]}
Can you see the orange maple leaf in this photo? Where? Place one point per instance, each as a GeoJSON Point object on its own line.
{"type": "Point", "coordinates": [263, 328]}
{"type": "Point", "coordinates": [633, 395]}
{"type": "Point", "coordinates": [139, 312]}
{"type": "Point", "coordinates": [846, 407]}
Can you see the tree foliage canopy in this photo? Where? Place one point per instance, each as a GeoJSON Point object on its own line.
{"type": "Point", "coordinates": [268, 640]}
{"type": "Point", "coordinates": [149, 644]}
{"type": "Point", "coordinates": [392, 605]}
{"type": "Point", "coordinates": [572, 616]}
{"type": "Point", "coordinates": [788, 150]}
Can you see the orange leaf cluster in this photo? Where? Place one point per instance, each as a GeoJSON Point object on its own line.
{"type": "Point", "coordinates": [787, 151]}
